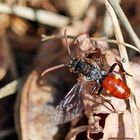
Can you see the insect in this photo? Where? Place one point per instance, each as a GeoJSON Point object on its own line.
{"type": "Point", "coordinates": [71, 106]}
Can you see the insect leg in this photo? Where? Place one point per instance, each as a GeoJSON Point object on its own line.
{"type": "Point", "coordinates": [107, 101]}
{"type": "Point", "coordinates": [100, 90]}
{"type": "Point", "coordinates": [94, 88]}
{"type": "Point", "coordinates": [113, 67]}
{"type": "Point", "coordinates": [120, 66]}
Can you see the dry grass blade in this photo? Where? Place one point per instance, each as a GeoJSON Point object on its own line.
{"type": "Point", "coordinates": [129, 80]}
{"type": "Point", "coordinates": [41, 16]}
{"type": "Point", "coordinates": [117, 42]}
{"type": "Point", "coordinates": [9, 89]}
{"type": "Point", "coordinates": [124, 44]}
{"type": "Point", "coordinates": [108, 26]}
{"type": "Point", "coordinates": [125, 22]}
{"type": "Point", "coordinates": [46, 37]}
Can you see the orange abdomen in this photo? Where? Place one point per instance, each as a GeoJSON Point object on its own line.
{"type": "Point", "coordinates": [116, 87]}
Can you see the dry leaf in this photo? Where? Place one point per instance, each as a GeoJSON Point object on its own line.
{"type": "Point", "coordinates": [36, 110]}
{"type": "Point", "coordinates": [93, 126]}
{"type": "Point", "coordinates": [118, 126]}
{"type": "Point", "coordinates": [74, 132]}
{"type": "Point", "coordinates": [25, 43]}
{"type": "Point", "coordinates": [90, 49]}
{"type": "Point", "coordinates": [50, 53]}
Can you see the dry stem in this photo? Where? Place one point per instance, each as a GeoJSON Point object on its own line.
{"type": "Point", "coordinates": [129, 80]}
{"type": "Point", "coordinates": [45, 38]}
{"type": "Point", "coordinates": [41, 16]}
{"type": "Point", "coordinates": [9, 89]}
{"type": "Point", "coordinates": [108, 25]}
{"type": "Point", "coordinates": [125, 22]}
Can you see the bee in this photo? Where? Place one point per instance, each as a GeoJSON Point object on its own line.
{"type": "Point", "coordinates": [72, 106]}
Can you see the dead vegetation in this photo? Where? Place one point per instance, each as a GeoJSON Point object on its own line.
{"type": "Point", "coordinates": [32, 40]}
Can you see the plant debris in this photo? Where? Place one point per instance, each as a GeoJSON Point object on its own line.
{"type": "Point", "coordinates": [62, 104]}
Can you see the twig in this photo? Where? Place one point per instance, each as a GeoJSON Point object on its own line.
{"type": "Point", "coordinates": [129, 80]}
{"type": "Point", "coordinates": [123, 43]}
{"type": "Point", "coordinates": [125, 22]}
{"type": "Point", "coordinates": [41, 16]}
{"type": "Point", "coordinates": [58, 36]}
{"type": "Point", "coordinates": [45, 38]}
{"type": "Point", "coordinates": [9, 89]}
{"type": "Point", "coordinates": [108, 26]}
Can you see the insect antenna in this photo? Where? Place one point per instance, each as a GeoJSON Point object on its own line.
{"type": "Point", "coordinates": [61, 65]}
{"type": "Point", "coordinates": [67, 44]}
{"type": "Point", "coordinates": [53, 68]}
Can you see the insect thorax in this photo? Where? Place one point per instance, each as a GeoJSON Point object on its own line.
{"type": "Point", "coordinates": [90, 71]}
{"type": "Point", "coordinates": [79, 66]}
{"type": "Point", "coordinates": [95, 73]}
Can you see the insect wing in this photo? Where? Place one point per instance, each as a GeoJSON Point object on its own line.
{"type": "Point", "coordinates": [71, 106]}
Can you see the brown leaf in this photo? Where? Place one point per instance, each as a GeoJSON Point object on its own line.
{"type": "Point", "coordinates": [91, 50]}
{"type": "Point", "coordinates": [118, 126]}
{"type": "Point", "coordinates": [75, 131]}
{"type": "Point", "coordinates": [85, 45]}
{"type": "Point", "coordinates": [23, 43]}
{"type": "Point", "coordinates": [93, 125]}
{"type": "Point", "coordinates": [49, 54]}
{"type": "Point", "coordinates": [35, 111]}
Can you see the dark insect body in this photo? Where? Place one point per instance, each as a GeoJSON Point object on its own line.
{"type": "Point", "coordinates": [88, 70]}
{"type": "Point", "coordinates": [71, 106]}
{"type": "Point", "coordinates": [112, 84]}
